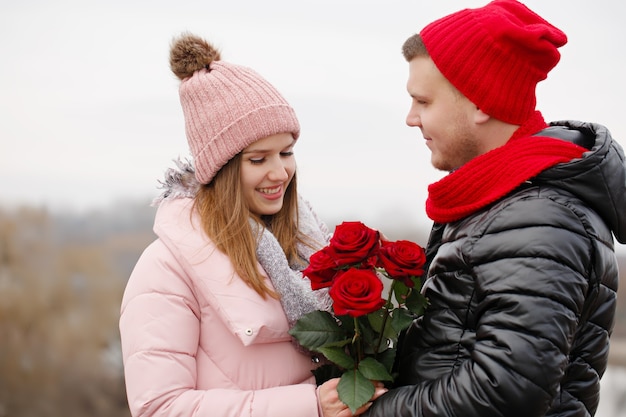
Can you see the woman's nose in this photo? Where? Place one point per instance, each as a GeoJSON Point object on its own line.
{"type": "Point", "coordinates": [278, 171]}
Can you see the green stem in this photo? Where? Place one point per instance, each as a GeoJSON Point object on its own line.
{"type": "Point", "coordinates": [382, 330]}
{"type": "Point", "coordinates": [355, 339]}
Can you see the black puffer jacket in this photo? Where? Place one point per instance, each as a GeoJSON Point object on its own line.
{"type": "Point", "coordinates": [522, 297]}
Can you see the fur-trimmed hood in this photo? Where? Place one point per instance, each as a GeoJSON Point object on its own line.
{"type": "Point", "coordinates": [179, 182]}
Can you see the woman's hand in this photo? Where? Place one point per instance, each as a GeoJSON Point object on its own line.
{"type": "Point", "coordinates": [332, 406]}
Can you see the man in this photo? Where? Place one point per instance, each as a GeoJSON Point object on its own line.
{"type": "Point", "coordinates": [522, 275]}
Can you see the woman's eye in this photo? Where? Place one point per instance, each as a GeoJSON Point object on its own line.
{"type": "Point", "coordinates": [290, 153]}
{"type": "Point", "coordinates": [256, 161]}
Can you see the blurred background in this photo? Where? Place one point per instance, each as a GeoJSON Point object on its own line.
{"type": "Point", "coordinates": [90, 120]}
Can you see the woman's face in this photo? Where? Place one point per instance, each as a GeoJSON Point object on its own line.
{"type": "Point", "coordinates": [267, 167]}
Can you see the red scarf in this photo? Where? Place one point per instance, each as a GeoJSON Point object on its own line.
{"type": "Point", "coordinates": [494, 174]}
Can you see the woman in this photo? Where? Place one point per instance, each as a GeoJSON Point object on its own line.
{"type": "Point", "coordinates": [204, 327]}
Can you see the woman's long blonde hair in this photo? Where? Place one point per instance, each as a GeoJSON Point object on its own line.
{"type": "Point", "coordinates": [224, 215]}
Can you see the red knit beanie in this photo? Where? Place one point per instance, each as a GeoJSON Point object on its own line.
{"type": "Point", "coordinates": [495, 55]}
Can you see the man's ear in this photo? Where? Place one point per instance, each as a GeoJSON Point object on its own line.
{"type": "Point", "coordinates": [480, 117]}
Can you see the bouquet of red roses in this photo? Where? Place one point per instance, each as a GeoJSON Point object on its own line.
{"type": "Point", "coordinates": [359, 337]}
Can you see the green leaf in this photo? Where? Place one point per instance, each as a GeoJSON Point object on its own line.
{"type": "Point", "coordinates": [390, 332]}
{"type": "Point", "coordinates": [400, 292]}
{"type": "Point", "coordinates": [416, 303]}
{"type": "Point", "coordinates": [387, 358]}
{"type": "Point", "coordinates": [401, 319]}
{"type": "Point", "coordinates": [338, 355]}
{"type": "Point", "coordinates": [374, 370]}
{"type": "Point", "coordinates": [317, 329]}
{"type": "Point", "coordinates": [376, 319]}
{"type": "Point", "coordinates": [369, 337]}
{"type": "Point", "coordinates": [354, 389]}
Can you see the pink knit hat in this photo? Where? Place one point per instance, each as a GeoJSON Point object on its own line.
{"type": "Point", "coordinates": [495, 55]}
{"type": "Point", "coordinates": [226, 107]}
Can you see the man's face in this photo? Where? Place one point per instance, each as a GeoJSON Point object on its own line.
{"type": "Point", "coordinates": [443, 114]}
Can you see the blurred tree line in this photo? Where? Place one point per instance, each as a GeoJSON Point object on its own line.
{"type": "Point", "coordinates": [61, 281]}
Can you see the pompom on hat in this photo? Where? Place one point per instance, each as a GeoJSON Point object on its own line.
{"type": "Point", "coordinates": [226, 107]}
{"type": "Point", "coordinates": [495, 55]}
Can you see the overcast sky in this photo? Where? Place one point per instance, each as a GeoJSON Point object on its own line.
{"type": "Point", "coordinates": [89, 110]}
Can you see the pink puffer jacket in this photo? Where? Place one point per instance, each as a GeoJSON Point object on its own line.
{"type": "Point", "coordinates": [197, 341]}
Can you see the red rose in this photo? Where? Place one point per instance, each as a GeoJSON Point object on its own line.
{"type": "Point", "coordinates": [356, 292]}
{"type": "Point", "coordinates": [321, 269]}
{"type": "Point", "coordinates": [353, 242]}
{"type": "Point", "coordinates": [402, 260]}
